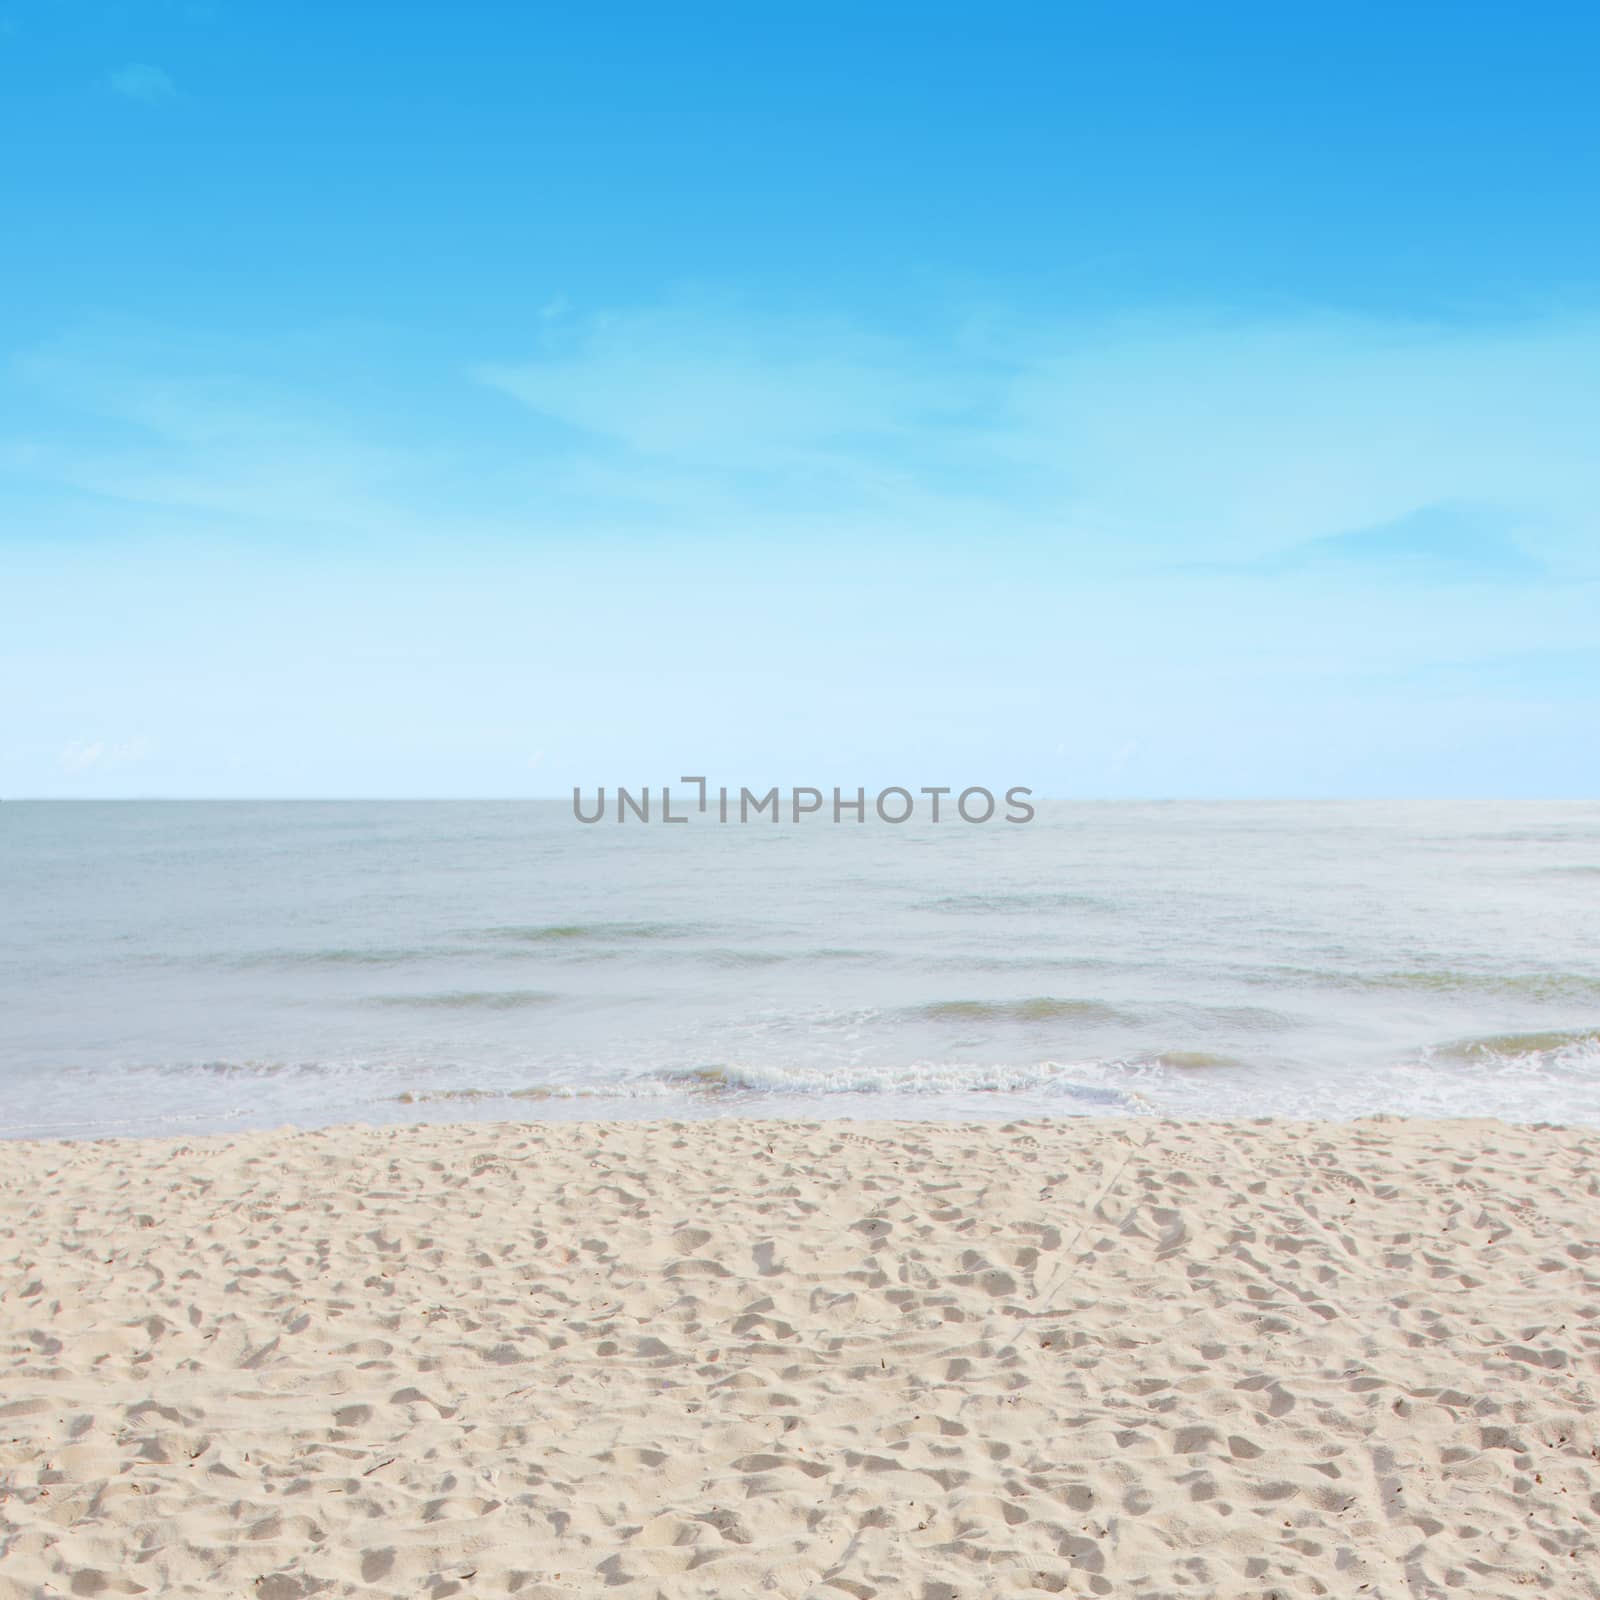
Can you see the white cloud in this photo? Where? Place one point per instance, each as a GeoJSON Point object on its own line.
{"type": "Point", "coordinates": [138, 80]}
{"type": "Point", "coordinates": [157, 424]}
{"type": "Point", "coordinates": [83, 756]}
{"type": "Point", "coordinates": [1170, 438]}
{"type": "Point", "coordinates": [1247, 544]}
{"type": "Point", "coordinates": [1122, 447]}
{"type": "Point", "coordinates": [703, 394]}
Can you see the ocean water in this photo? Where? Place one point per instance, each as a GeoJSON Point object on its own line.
{"type": "Point", "coordinates": [172, 966]}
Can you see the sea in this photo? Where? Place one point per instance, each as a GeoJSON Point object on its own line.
{"type": "Point", "coordinates": [192, 967]}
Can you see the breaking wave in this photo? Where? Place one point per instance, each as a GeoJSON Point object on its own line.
{"type": "Point", "coordinates": [1569, 1047]}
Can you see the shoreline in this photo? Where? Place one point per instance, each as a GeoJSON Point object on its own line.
{"type": "Point", "coordinates": [1092, 1355]}
{"type": "Point", "coordinates": [643, 1113]}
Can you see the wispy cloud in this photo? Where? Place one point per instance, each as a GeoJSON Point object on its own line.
{"type": "Point", "coordinates": [717, 421]}
{"type": "Point", "coordinates": [138, 80]}
{"type": "Point", "coordinates": [1161, 439]}
{"type": "Point", "coordinates": [82, 757]}
{"type": "Point", "coordinates": [178, 430]}
{"type": "Point", "coordinates": [697, 391]}
{"type": "Point", "coordinates": [1444, 543]}
{"type": "Point", "coordinates": [1546, 676]}
{"type": "Point", "coordinates": [1276, 450]}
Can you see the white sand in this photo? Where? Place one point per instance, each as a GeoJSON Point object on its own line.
{"type": "Point", "coordinates": [838, 1361]}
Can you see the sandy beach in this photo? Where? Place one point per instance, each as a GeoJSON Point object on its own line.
{"type": "Point", "coordinates": [831, 1360]}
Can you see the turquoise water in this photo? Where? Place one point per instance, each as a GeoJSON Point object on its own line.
{"type": "Point", "coordinates": [172, 966]}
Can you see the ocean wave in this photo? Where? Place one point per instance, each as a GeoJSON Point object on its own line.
{"type": "Point", "coordinates": [1093, 1082]}
{"type": "Point", "coordinates": [735, 957]}
{"type": "Point", "coordinates": [1549, 985]}
{"type": "Point", "coordinates": [1244, 1019]}
{"type": "Point", "coordinates": [637, 1090]}
{"type": "Point", "coordinates": [1517, 985]}
{"type": "Point", "coordinates": [248, 1067]}
{"type": "Point", "coordinates": [1031, 962]}
{"type": "Point", "coordinates": [341, 956]}
{"type": "Point", "coordinates": [1025, 900]}
{"type": "Point", "coordinates": [1043, 1008]}
{"type": "Point", "coordinates": [469, 1000]}
{"type": "Point", "coordinates": [1076, 1079]}
{"type": "Point", "coordinates": [1563, 1047]}
{"type": "Point", "coordinates": [1195, 1060]}
{"type": "Point", "coordinates": [575, 932]}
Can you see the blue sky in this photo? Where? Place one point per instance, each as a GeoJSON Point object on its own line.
{"type": "Point", "coordinates": [1155, 400]}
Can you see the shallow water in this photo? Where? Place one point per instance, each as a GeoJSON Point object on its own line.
{"type": "Point", "coordinates": [171, 966]}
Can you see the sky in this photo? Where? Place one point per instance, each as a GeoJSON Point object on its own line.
{"type": "Point", "coordinates": [1119, 400]}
